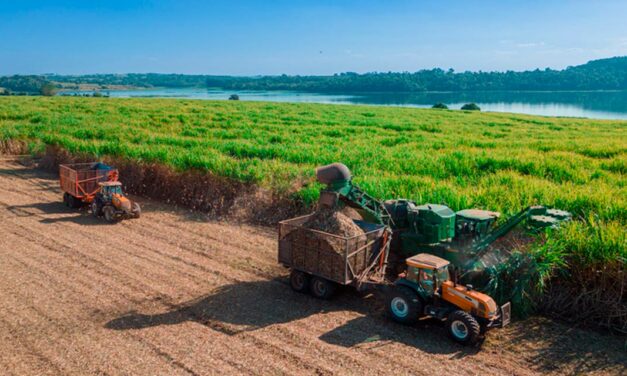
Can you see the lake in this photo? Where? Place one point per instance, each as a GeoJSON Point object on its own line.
{"type": "Point", "coordinates": [589, 104]}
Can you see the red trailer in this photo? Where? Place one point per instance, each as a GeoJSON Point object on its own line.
{"type": "Point", "coordinates": [80, 181]}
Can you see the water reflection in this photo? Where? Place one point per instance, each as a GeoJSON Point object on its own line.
{"type": "Point", "coordinates": [592, 104]}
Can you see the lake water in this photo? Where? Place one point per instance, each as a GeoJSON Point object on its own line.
{"type": "Point", "coordinates": [590, 104]}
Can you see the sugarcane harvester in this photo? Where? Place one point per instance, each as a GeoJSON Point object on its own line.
{"type": "Point", "coordinates": [462, 237]}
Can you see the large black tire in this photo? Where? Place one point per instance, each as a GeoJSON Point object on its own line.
{"type": "Point", "coordinates": [75, 203]}
{"type": "Point", "coordinates": [463, 328]}
{"type": "Point", "coordinates": [299, 281]}
{"type": "Point", "coordinates": [404, 305]}
{"type": "Point", "coordinates": [322, 288]}
{"type": "Point", "coordinates": [66, 199]}
{"type": "Point", "coordinates": [109, 214]}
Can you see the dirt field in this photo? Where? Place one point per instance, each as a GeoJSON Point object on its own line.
{"type": "Point", "coordinates": [175, 293]}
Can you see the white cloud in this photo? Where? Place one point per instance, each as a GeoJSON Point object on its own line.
{"type": "Point", "coordinates": [530, 44]}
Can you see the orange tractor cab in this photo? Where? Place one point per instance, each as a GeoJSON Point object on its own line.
{"type": "Point", "coordinates": [425, 289]}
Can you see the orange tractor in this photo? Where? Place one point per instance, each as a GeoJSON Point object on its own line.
{"type": "Point", "coordinates": [97, 185]}
{"type": "Point", "coordinates": [426, 290]}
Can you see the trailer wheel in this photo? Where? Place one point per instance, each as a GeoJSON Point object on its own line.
{"type": "Point", "coordinates": [66, 199]}
{"type": "Point", "coordinates": [403, 305]}
{"type": "Point", "coordinates": [463, 328]}
{"type": "Point", "coordinates": [74, 202]}
{"type": "Point", "coordinates": [322, 288]}
{"type": "Point", "coordinates": [109, 214]}
{"type": "Point", "coordinates": [299, 281]}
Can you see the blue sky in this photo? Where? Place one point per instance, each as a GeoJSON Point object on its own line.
{"type": "Point", "coordinates": [304, 37]}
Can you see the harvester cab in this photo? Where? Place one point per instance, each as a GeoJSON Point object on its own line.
{"type": "Point", "coordinates": [111, 203]}
{"type": "Point", "coordinates": [426, 290]}
{"type": "Point", "coordinates": [471, 224]}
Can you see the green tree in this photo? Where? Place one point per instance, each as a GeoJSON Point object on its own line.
{"type": "Point", "coordinates": [471, 107]}
{"type": "Point", "coordinates": [48, 89]}
{"type": "Point", "coordinates": [440, 106]}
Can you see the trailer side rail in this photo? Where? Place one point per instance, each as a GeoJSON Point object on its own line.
{"type": "Point", "coordinates": [81, 180]}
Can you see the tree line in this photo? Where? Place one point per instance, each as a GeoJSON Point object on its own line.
{"type": "Point", "coordinates": [606, 74]}
{"type": "Point", "coordinates": [26, 85]}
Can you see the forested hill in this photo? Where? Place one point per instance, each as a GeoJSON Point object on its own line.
{"type": "Point", "coordinates": [22, 84]}
{"type": "Point", "coordinates": [605, 74]}
{"type": "Point", "coordinates": [142, 80]}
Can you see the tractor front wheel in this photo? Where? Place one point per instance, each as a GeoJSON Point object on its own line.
{"type": "Point", "coordinates": [463, 328]}
{"type": "Point", "coordinates": [96, 211]}
{"type": "Point", "coordinates": [137, 210]}
{"type": "Point", "coordinates": [403, 305]}
{"type": "Point", "coordinates": [109, 214]}
{"type": "Point", "coordinates": [299, 281]}
{"type": "Point", "coordinates": [322, 288]}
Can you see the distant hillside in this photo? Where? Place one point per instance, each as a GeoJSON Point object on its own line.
{"type": "Point", "coordinates": [131, 79]}
{"type": "Point", "coordinates": [22, 84]}
{"type": "Point", "coordinates": [604, 74]}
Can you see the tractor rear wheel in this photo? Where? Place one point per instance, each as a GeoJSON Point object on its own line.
{"type": "Point", "coordinates": [322, 288]}
{"type": "Point", "coordinates": [109, 214]}
{"type": "Point", "coordinates": [404, 305]}
{"type": "Point", "coordinates": [299, 281]}
{"type": "Point", "coordinates": [463, 328]}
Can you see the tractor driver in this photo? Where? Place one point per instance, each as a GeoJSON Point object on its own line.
{"type": "Point", "coordinates": [426, 280]}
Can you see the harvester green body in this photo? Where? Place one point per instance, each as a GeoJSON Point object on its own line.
{"type": "Point", "coordinates": [461, 237]}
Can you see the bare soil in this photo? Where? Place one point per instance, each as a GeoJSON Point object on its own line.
{"type": "Point", "coordinates": [178, 293]}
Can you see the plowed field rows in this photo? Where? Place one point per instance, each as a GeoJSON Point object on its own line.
{"type": "Point", "coordinates": [176, 293]}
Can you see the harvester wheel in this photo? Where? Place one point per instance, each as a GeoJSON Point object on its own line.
{"type": "Point", "coordinates": [299, 281]}
{"type": "Point", "coordinates": [109, 214]}
{"type": "Point", "coordinates": [137, 210]}
{"type": "Point", "coordinates": [463, 328]}
{"type": "Point", "coordinates": [403, 305]}
{"type": "Point", "coordinates": [321, 288]}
